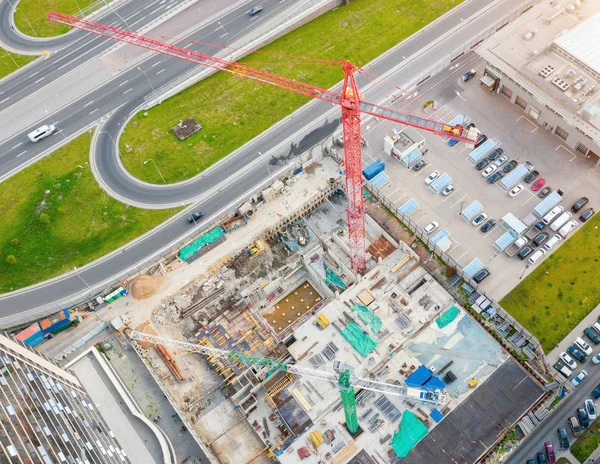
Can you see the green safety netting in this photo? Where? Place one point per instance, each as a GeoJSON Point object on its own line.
{"type": "Point", "coordinates": [447, 317]}
{"type": "Point", "coordinates": [368, 317]}
{"type": "Point", "coordinates": [359, 339]}
{"type": "Point", "coordinates": [206, 238]}
{"type": "Point", "coordinates": [410, 432]}
{"type": "Point", "coordinates": [332, 278]}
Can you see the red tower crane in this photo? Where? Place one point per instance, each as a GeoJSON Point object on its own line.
{"type": "Point", "coordinates": [349, 99]}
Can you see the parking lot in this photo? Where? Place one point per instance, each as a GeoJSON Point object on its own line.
{"type": "Point", "coordinates": [519, 137]}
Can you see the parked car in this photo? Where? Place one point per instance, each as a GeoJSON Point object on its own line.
{"type": "Point", "coordinates": [582, 345]}
{"type": "Point", "coordinates": [540, 238]}
{"type": "Point", "coordinates": [567, 228]}
{"type": "Point", "coordinates": [489, 170]}
{"type": "Point", "coordinates": [495, 154]}
{"type": "Point", "coordinates": [541, 458]}
{"type": "Point", "coordinates": [578, 355]}
{"type": "Point", "coordinates": [549, 448]}
{"type": "Point", "coordinates": [588, 213]}
{"type": "Point", "coordinates": [194, 217]}
{"type": "Point", "coordinates": [495, 177]}
{"type": "Point", "coordinates": [568, 360]}
{"type": "Point", "coordinates": [590, 409]}
{"type": "Point", "coordinates": [530, 461]}
{"type": "Point", "coordinates": [469, 75]}
{"type": "Point", "coordinates": [529, 178]}
{"type": "Point", "coordinates": [596, 359]}
{"type": "Point", "coordinates": [510, 166]}
{"type": "Point", "coordinates": [255, 10]}
{"type": "Point", "coordinates": [515, 191]}
{"type": "Point", "coordinates": [453, 142]}
{"type": "Point", "coordinates": [448, 190]}
{"type": "Point", "coordinates": [481, 275]}
{"type": "Point", "coordinates": [482, 164]}
{"type": "Point", "coordinates": [419, 165]}
{"type": "Point", "coordinates": [579, 204]}
{"type": "Point", "coordinates": [596, 392]}
{"type": "Point", "coordinates": [575, 426]}
{"type": "Point", "coordinates": [480, 140]}
{"type": "Point", "coordinates": [431, 177]}
{"type": "Point", "coordinates": [479, 219]}
{"type": "Point", "coordinates": [592, 335]}
{"type": "Point", "coordinates": [537, 255]}
{"type": "Point", "coordinates": [538, 184]}
{"type": "Point", "coordinates": [579, 378]}
{"type": "Point", "coordinates": [583, 418]}
{"type": "Point", "coordinates": [500, 161]}
{"type": "Point", "coordinates": [563, 439]}
{"type": "Point", "coordinates": [528, 165]}
{"type": "Point", "coordinates": [545, 192]}
{"type": "Point", "coordinates": [525, 251]}
{"type": "Point", "coordinates": [488, 225]}
{"type": "Point", "coordinates": [429, 228]}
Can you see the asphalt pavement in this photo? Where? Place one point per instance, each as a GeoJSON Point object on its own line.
{"type": "Point", "coordinates": [417, 53]}
{"type": "Point", "coordinates": [76, 47]}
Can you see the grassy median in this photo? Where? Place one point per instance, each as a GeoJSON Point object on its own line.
{"type": "Point", "coordinates": [10, 62]}
{"type": "Point", "coordinates": [562, 290]}
{"type": "Point", "coordinates": [30, 16]}
{"type": "Point", "coordinates": [587, 443]}
{"type": "Point", "coordinates": [233, 110]}
{"type": "Point", "coordinates": [55, 216]}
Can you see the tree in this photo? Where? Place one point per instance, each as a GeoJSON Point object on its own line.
{"type": "Point", "coordinates": [10, 259]}
{"type": "Point", "coordinates": [44, 218]}
{"type": "Point", "coordinates": [15, 241]}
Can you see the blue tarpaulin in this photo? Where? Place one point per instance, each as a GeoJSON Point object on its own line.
{"type": "Point", "coordinates": [409, 207]}
{"type": "Point", "coordinates": [439, 236]}
{"type": "Point", "coordinates": [472, 210]}
{"type": "Point", "coordinates": [512, 178]}
{"type": "Point", "coordinates": [438, 185]}
{"type": "Point", "coordinates": [379, 180]}
{"type": "Point", "coordinates": [506, 240]}
{"type": "Point", "coordinates": [419, 377]}
{"type": "Point", "coordinates": [436, 415]}
{"type": "Point", "coordinates": [373, 169]}
{"type": "Point", "coordinates": [547, 204]}
{"type": "Point", "coordinates": [412, 156]}
{"type": "Point", "coordinates": [473, 267]}
{"type": "Point", "coordinates": [482, 150]}
{"type": "Point", "coordinates": [434, 384]}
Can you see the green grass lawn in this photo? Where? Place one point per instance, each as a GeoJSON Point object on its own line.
{"type": "Point", "coordinates": [233, 110]}
{"type": "Point", "coordinates": [83, 222]}
{"type": "Point", "coordinates": [562, 290]}
{"type": "Point", "coordinates": [30, 16]}
{"type": "Point", "coordinates": [563, 461]}
{"type": "Point", "coordinates": [587, 443]}
{"type": "Point", "coordinates": [10, 62]}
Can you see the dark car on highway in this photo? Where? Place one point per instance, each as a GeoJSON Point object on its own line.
{"type": "Point", "coordinates": [544, 192]}
{"type": "Point", "coordinates": [588, 213]}
{"type": "Point", "coordinates": [525, 251]}
{"type": "Point", "coordinates": [578, 355]}
{"type": "Point", "coordinates": [495, 154]}
{"type": "Point", "coordinates": [510, 166]}
{"type": "Point", "coordinates": [481, 139]}
{"type": "Point", "coordinates": [488, 225]}
{"type": "Point", "coordinates": [419, 165]}
{"type": "Point", "coordinates": [563, 438]}
{"type": "Point", "coordinates": [194, 217]}
{"type": "Point", "coordinates": [482, 164]}
{"type": "Point", "coordinates": [583, 418]}
{"type": "Point", "coordinates": [540, 238]}
{"type": "Point", "coordinates": [255, 10]}
{"type": "Point", "coordinates": [579, 204]}
{"type": "Point", "coordinates": [495, 177]}
{"type": "Point", "coordinates": [529, 178]}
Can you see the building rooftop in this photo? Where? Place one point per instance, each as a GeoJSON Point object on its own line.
{"type": "Point", "coordinates": [552, 52]}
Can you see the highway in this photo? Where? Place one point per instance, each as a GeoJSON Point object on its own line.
{"type": "Point", "coordinates": [70, 50]}
{"type": "Point", "coordinates": [414, 55]}
{"type": "Point", "coordinates": [547, 430]}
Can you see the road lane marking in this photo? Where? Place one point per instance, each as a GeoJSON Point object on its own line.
{"type": "Point", "coordinates": [160, 71]}
{"type": "Point", "coordinates": [17, 145]}
{"type": "Point", "coordinates": [94, 111]}
{"type": "Point", "coordinates": [22, 153]}
{"type": "Point", "coordinates": [123, 83]}
{"type": "Point", "coordinates": [221, 36]}
{"type": "Point", "coordinates": [88, 104]}
{"type": "Point", "coordinates": [128, 90]}
{"type": "Point", "coordinates": [156, 64]}
{"type": "Point", "coordinates": [39, 80]}
{"type": "Point", "coordinates": [35, 73]}
{"type": "Point", "coordinates": [7, 98]}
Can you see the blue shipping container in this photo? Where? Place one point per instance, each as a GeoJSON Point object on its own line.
{"type": "Point", "coordinates": [373, 169]}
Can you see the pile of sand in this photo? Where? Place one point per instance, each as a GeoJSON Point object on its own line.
{"type": "Point", "coordinates": [147, 329]}
{"type": "Point", "coordinates": [144, 286]}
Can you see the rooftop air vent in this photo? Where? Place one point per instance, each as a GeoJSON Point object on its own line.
{"type": "Point", "coordinates": [570, 8]}
{"type": "Point", "coordinates": [562, 85]}
{"type": "Point", "coordinates": [547, 71]}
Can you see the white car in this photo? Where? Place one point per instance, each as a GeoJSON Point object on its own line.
{"type": "Point", "coordinates": [577, 380]}
{"type": "Point", "coordinates": [500, 161]}
{"type": "Point", "coordinates": [479, 219]}
{"type": "Point", "coordinates": [568, 360]}
{"type": "Point", "coordinates": [487, 172]}
{"type": "Point", "coordinates": [590, 409]}
{"type": "Point", "coordinates": [429, 228]}
{"type": "Point", "coordinates": [583, 346]}
{"type": "Point", "coordinates": [433, 176]}
{"type": "Point", "coordinates": [448, 190]}
{"type": "Point", "coordinates": [515, 191]}
{"type": "Point", "coordinates": [596, 359]}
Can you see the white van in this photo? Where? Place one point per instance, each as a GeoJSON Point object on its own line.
{"type": "Point", "coordinates": [596, 327]}
{"type": "Point", "coordinates": [561, 221]}
{"type": "Point", "coordinates": [568, 227]}
{"type": "Point", "coordinates": [564, 370]}
{"type": "Point", "coordinates": [537, 256]}
{"type": "Point", "coordinates": [41, 133]}
{"type": "Point", "coordinates": [583, 346]}
{"type": "Point", "coordinates": [431, 227]}
{"type": "Point", "coordinates": [552, 242]}
{"type": "Point", "coordinates": [552, 214]}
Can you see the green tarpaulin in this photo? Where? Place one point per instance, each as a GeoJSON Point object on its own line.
{"type": "Point", "coordinates": [332, 278]}
{"type": "Point", "coordinates": [410, 432]}
{"type": "Point", "coordinates": [368, 317]}
{"type": "Point", "coordinates": [447, 317]}
{"type": "Point", "coordinates": [359, 340]}
{"type": "Point", "coordinates": [209, 237]}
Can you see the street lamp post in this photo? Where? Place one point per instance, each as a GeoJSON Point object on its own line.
{"type": "Point", "coordinates": [526, 267]}
{"type": "Point", "coordinates": [149, 81]}
{"type": "Point", "coordinates": [79, 275]}
{"type": "Point", "coordinates": [159, 173]}
{"type": "Point", "coordinates": [461, 207]}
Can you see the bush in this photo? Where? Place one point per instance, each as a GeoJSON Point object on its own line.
{"type": "Point", "coordinates": [62, 211]}
{"type": "Point", "coordinates": [15, 241]}
{"type": "Point", "coordinates": [10, 259]}
{"type": "Point", "coordinates": [428, 103]}
{"type": "Point", "coordinates": [44, 218]}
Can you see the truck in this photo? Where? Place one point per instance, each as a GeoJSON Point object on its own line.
{"type": "Point", "coordinates": [564, 370]}
{"type": "Point", "coordinates": [534, 230]}
{"type": "Point", "coordinates": [516, 246]}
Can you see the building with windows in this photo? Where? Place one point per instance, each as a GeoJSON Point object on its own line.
{"type": "Point", "coordinates": [547, 62]}
{"type": "Point", "coordinates": [46, 415]}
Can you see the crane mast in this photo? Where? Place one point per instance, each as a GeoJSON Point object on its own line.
{"type": "Point", "coordinates": [350, 101]}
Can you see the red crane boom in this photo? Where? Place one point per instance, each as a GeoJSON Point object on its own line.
{"type": "Point", "coordinates": [349, 99]}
